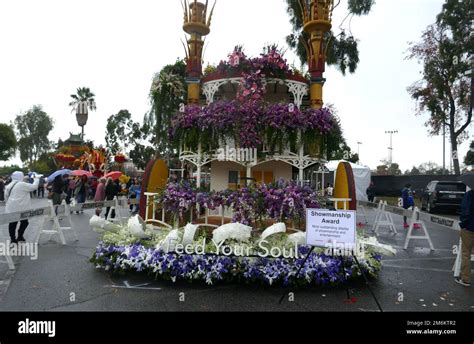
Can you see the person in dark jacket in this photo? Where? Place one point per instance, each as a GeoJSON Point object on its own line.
{"type": "Point", "coordinates": [371, 192]}
{"type": "Point", "coordinates": [57, 189]}
{"type": "Point", "coordinates": [467, 238]}
{"type": "Point", "coordinates": [407, 201]}
{"type": "Point", "coordinates": [41, 187]}
{"type": "Point", "coordinates": [82, 189]}
{"type": "Point", "coordinates": [117, 186]}
{"type": "Point", "coordinates": [110, 193]}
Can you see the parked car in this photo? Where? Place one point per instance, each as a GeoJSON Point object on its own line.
{"type": "Point", "coordinates": [442, 196]}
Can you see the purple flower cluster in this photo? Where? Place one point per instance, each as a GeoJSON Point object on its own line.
{"type": "Point", "coordinates": [252, 87]}
{"type": "Point", "coordinates": [288, 201]}
{"type": "Point", "coordinates": [249, 122]}
{"type": "Point", "coordinates": [178, 198]}
{"type": "Point", "coordinates": [272, 63]}
{"type": "Point", "coordinates": [244, 205]}
{"type": "Point", "coordinates": [320, 120]}
{"type": "Point", "coordinates": [269, 64]}
{"type": "Point", "coordinates": [280, 201]}
{"type": "Point", "coordinates": [318, 270]}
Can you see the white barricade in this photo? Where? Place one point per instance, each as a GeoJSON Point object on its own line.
{"type": "Point", "coordinates": [19, 216]}
{"type": "Point", "coordinates": [361, 212]}
{"type": "Point", "coordinates": [56, 228]}
{"type": "Point", "coordinates": [457, 263]}
{"type": "Point", "coordinates": [8, 261]}
{"type": "Point", "coordinates": [377, 215]}
{"type": "Point", "coordinates": [415, 220]}
{"type": "Point", "coordinates": [383, 218]}
{"type": "Point", "coordinates": [67, 215]}
{"type": "Point", "coordinates": [115, 209]}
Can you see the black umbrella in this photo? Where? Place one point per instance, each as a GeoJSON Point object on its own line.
{"type": "Point", "coordinates": [468, 179]}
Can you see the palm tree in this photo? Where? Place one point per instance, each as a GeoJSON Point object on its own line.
{"type": "Point", "coordinates": [83, 101]}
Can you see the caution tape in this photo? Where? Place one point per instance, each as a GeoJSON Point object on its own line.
{"type": "Point", "coordinates": [426, 217]}
{"type": "Point", "coordinates": [61, 209]}
{"type": "Point", "coordinates": [24, 215]}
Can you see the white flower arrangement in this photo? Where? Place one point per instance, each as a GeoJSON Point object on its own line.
{"type": "Point", "coordinates": [235, 231]}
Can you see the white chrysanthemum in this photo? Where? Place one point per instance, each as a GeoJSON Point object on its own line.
{"type": "Point", "coordinates": [274, 229]}
{"type": "Point", "coordinates": [236, 231]}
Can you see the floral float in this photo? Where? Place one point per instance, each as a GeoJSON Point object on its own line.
{"type": "Point", "coordinates": [273, 260]}
{"type": "Point", "coordinates": [242, 251]}
{"type": "Point", "coordinates": [120, 158]}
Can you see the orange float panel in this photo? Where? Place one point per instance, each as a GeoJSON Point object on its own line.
{"type": "Point", "coordinates": [345, 186]}
{"type": "Point", "coordinates": [154, 180]}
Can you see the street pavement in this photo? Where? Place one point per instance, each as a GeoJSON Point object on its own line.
{"type": "Point", "coordinates": [63, 279]}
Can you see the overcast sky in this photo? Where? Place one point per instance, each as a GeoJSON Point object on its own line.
{"type": "Point", "coordinates": [51, 47]}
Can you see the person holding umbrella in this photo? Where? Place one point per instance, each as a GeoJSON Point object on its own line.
{"type": "Point", "coordinates": [18, 196]}
{"type": "Point", "coordinates": [81, 190]}
{"type": "Point", "coordinates": [467, 231]}
{"type": "Point", "coordinates": [57, 189]}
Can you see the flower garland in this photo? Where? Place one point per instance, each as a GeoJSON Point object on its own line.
{"type": "Point", "coordinates": [319, 270]}
{"type": "Point", "coordinates": [249, 123]}
{"type": "Point", "coordinates": [270, 63]}
{"type": "Point", "coordinates": [248, 120]}
{"type": "Point", "coordinates": [281, 201]}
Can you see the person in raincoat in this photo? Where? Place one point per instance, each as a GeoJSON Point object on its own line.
{"type": "Point", "coordinates": [18, 197]}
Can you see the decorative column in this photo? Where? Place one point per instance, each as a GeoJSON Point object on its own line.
{"type": "Point", "coordinates": [317, 22]}
{"type": "Point", "coordinates": [199, 166]}
{"type": "Point", "coordinates": [197, 25]}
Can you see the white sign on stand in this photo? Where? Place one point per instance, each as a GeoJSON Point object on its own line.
{"type": "Point", "coordinates": [324, 228]}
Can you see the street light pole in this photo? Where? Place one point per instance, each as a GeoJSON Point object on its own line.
{"type": "Point", "coordinates": [358, 149]}
{"type": "Point", "coordinates": [390, 149]}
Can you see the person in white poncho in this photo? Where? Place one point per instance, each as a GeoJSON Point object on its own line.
{"type": "Point", "coordinates": [18, 198]}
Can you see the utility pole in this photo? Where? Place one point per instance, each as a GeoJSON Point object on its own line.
{"type": "Point", "coordinates": [390, 149]}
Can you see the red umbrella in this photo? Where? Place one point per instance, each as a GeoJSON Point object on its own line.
{"type": "Point", "coordinates": [80, 173]}
{"type": "Point", "coordinates": [114, 175]}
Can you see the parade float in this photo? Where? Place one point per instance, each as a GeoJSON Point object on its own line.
{"type": "Point", "coordinates": [75, 154]}
{"type": "Point", "coordinates": [258, 127]}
